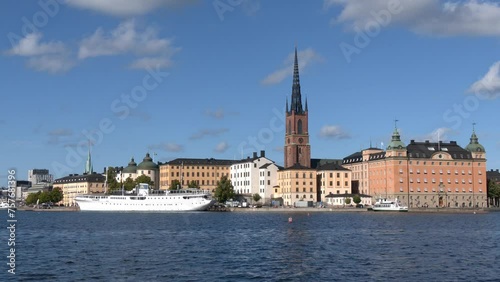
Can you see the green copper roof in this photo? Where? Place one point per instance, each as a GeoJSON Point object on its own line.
{"type": "Point", "coordinates": [147, 163]}
{"type": "Point", "coordinates": [474, 145]}
{"type": "Point", "coordinates": [396, 142]}
{"type": "Point", "coordinates": [131, 168]}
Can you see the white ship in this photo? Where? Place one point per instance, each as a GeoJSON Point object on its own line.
{"type": "Point", "coordinates": [142, 200]}
{"type": "Point", "coordinates": [389, 205]}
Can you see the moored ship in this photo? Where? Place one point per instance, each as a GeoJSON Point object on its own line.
{"type": "Point", "coordinates": [143, 200]}
{"type": "Point", "coordinates": [389, 205]}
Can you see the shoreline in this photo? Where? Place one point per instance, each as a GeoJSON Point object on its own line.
{"type": "Point", "coordinates": [304, 210]}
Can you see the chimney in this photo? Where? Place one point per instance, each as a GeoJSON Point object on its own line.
{"type": "Point", "coordinates": [262, 154]}
{"type": "Point", "coordinates": [254, 155]}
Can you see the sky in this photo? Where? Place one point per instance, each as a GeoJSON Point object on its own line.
{"type": "Point", "coordinates": [209, 79]}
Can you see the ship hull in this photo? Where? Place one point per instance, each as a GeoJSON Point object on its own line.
{"type": "Point", "coordinates": [151, 203]}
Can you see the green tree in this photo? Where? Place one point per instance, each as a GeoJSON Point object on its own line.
{"type": "Point", "coordinates": [113, 184]}
{"type": "Point", "coordinates": [193, 184]}
{"type": "Point", "coordinates": [256, 197]}
{"type": "Point", "coordinates": [174, 185]}
{"type": "Point", "coordinates": [44, 197]}
{"type": "Point", "coordinates": [144, 179]}
{"type": "Point", "coordinates": [56, 195]}
{"type": "Point", "coordinates": [224, 190]}
{"type": "Point", "coordinates": [129, 184]}
{"type": "Point", "coordinates": [494, 192]}
{"type": "Point", "coordinates": [32, 198]}
{"type": "Point", "coordinates": [348, 201]}
{"type": "Point", "coordinates": [356, 199]}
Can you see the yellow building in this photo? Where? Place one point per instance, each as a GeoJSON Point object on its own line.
{"type": "Point", "coordinates": [75, 184]}
{"type": "Point", "coordinates": [297, 183]}
{"type": "Point", "coordinates": [333, 179]}
{"type": "Point", "coordinates": [205, 172]}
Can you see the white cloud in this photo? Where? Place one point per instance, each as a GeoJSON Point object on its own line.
{"type": "Point", "coordinates": [51, 63]}
{"type": "Point", "coordinates": [333, 132]}
{"type": "Point", "coordinates": [489, 85]}
{"type": "Point", "coordinates": [126, 7]}
{"type": "Point", "coordinates": [221, 147]}
{"type": "Point", "coordinates": [31, 46]}
{"type": "Point", "coordinates": [169, 147]}
{"type": "Point", "coordinates": [305, 58]}
{"type": "Point", "coordinates": [127, 38]}
{"type": "Point", "coordinates": [439, 134]}
{"type": "Point", "coordinates": [52, 57]}
{"type": "Point", "coordinates": [433, 17]}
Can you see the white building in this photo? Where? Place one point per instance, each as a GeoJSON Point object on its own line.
{"type": "Point", "coordinates": [254, 175]}
{"type": "Point", "coordinates": [39, 175]}
{"type": "Point", "coordinates": [146, 167]}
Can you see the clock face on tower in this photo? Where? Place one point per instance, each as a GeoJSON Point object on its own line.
{"type": "Point", "coordinates": [301, 140]}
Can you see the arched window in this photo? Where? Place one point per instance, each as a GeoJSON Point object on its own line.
{"type": "Point", "coordinates": [289, 127]}
{"type": "Point", "coordinates": [299, 126]}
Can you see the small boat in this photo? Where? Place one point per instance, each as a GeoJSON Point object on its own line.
{"type": "Point", "coordinates": [389, 205]}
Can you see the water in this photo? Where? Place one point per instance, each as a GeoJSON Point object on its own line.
{"type": "Point", "coordinates": [205, 246]}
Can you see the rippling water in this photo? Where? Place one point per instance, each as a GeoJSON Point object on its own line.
{"type": "Point", "coordinates": [204, 246]}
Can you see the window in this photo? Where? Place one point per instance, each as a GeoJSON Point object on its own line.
{"type": "Point", "coordinates": [338, 183]}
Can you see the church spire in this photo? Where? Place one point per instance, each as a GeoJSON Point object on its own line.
{"type": "Point", "coordinates": [296, 96]}
{"type": "Point", "coordinates": [88, 166]}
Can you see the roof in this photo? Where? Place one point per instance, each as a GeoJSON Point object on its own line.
{"type": "Point", "coordinates": [298, 166]}
{"type": "Point", "coordinates": [332, 166]}
{"type": "Point", "coordinates": [315, 163]}
{"type": "Point", "coordinates": [353, 158]}
{"type": "Point", "coordinates": [346, 195]}
{"type": "Point", "coordinates": [207, 161]}
{"type": "Point", "coordinates": [493, 175]}
{"type": "Point", "coordinates": [94, 177]}
{"type": "Point", "coordinates": [147, 163]}
{"type": "Point", "coordinates": [264, 166]}
{"type": "Point", "coordinates": [131, 168]}
{"type": "Point", "coordinates": [427, 149]}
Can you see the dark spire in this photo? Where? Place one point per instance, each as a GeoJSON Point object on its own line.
{"type": "Point", "coordinates": [306, 104]}
{"type": "Point", "coordinates": [286, 108]}
{"type": "Point", "coordinates": [296, 97]}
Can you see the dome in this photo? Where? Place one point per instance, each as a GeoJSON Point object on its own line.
{"type": "Point", "coordinates": [147, 163]}
{"type": "Point", "coordinates": [396, 142]}
{"type": "Point", "coordinates": [131, 168]}
{"type": "Point", "coordinates": [474, 145]}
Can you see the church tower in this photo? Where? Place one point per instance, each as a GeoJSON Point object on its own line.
{"type": "Point", "coordinates": [297, 148]}
{"type": "Point", "coordinates": [88, 165]}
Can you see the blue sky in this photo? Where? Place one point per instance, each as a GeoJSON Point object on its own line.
{"type": "Point", "coordinates": [206, 79]}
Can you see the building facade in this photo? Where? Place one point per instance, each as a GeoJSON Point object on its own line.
{"type": "Point", "coordinates": [75, 184]}
{"type": "Point", "coordinates": [39, 175]}
{"type": "Point", "coordinates": [205, 172]}
{"type": "Point", "coordinates": [423, 174]}
{"type": "Point", "coordinates": [256, 175]}
{"type": "Point", "coordinates": [333, 179]}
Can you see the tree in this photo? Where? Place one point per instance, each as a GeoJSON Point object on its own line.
{"type": "Point", "coordinates": [348, 201]}
{"type": "Point", "coordinates": [356, 199]}
{"type": "Point", "coordinates": [129, 184]}
{"type": "Point", "coordinates": [193, 184]}
{"type": "Point", "coordinates": [112, 183]}
{"type": "Point", "coordinates": [44, 197]}
{"type": "Point", "coordinates": [174, 185]}
{"type": "Point", "coordinates": [144, 179]}
{"type": "Point", "coordinates": [494, 192]}
{"type": "Point", "coordinates": [32, 198]}
{"type": "Point", "coordinates": [56, 195]}
{"type": "Point", "coordinates": [256, 197]}
{"type": "Point", "coordinates": [224, 190]}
